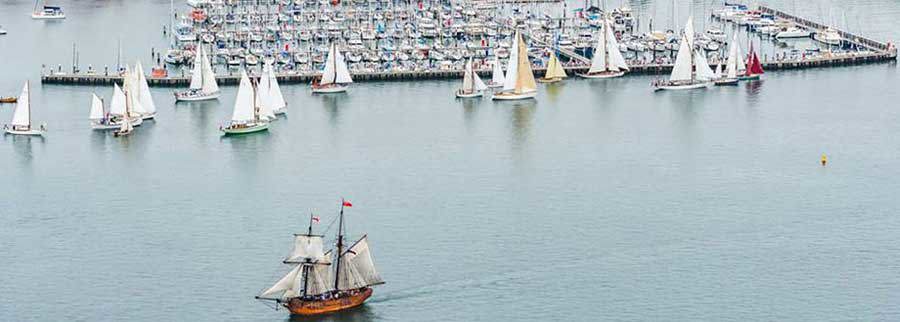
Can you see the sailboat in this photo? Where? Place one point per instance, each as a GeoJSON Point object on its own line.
{"type": "Point", "coordinates": [325, 281]}
{"type": "Point", "coordinates": [270, 91]}
{"type": "Point", "coordinates": [21, 121]}
{"type": "Point", "coordinates": [607, 61]}
{"type": "Point", "coordinates": [731, 66]}
{"type": "Point", "coordinates": [117, 112]}
{"type": "Point", "coordinates": [46, 12]}
{"type": "Point", "coordinates": [142, 92]}
{"type": "Point", "coordinates": [203, 81]}
{"type": "Point", "coordinates": [335, 77]}
{"type": "Point", "coordinates": [472, 84]}
{"type": "Point", "coordinates": [246, 116]}
{"type": "Point", "coordinates": [555, 71]}
{"type": "Point", "coordinates": [125, 129]}
{"type": "Point", "coordinates": [497, 76]}
{"type": "Point", "coordinates": [754, 67]}
{"type": "Point", "coordinates": [687, 61]}
{"type": "Point", "coordinates": [519, 83]}
{"type": "Point", "coordinates": [264, 102]}
{"type": "Point", "coordinates": [99, 118]}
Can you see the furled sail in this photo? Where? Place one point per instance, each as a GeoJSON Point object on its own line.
{"type": "Point", "coordinates": [307, 248]}
{"type": "Point", "coordinates": [96, 108]}
{"type": "Point", "coordinates": [22, 114]}
{"type": "Point", "coordinates": [357, 267]}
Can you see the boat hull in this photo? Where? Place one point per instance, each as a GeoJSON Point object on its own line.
{"type": "Point", "coordinates": [149, 116]}
{"type": "Point", "coordinates": [299, 307]}
{"type": "Point", "coordinates": [245, 130]}
{"type": "Point", "coordinates": [460, 94]}
{"type": "Point", "coordinates": [185, 97]}
{"type": "Point", "coordinates": [602, 75]}
{"type": "Point", "coordinates": [513, 96]}
{"type": "Point", "coordinates": [727, 82]}
{"type": "Point", "coordinates": [683, 86]}
{"type": "Point", "coordinates": [43, 17]}
{"type": "Point", "coordinates": [31, 132]}
{"type": "Point", "coordinates": [549, 80]}
{"type": "Point", "coordinates": [329, 89]}
{"type": "Point", "coordinates": [750, 78]}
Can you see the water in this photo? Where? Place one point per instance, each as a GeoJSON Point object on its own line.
{"type": "Point", "coordinates": [599, 201]}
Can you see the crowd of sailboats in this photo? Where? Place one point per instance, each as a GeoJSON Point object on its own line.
{"type": "Point", "coordinates": [130, 105]}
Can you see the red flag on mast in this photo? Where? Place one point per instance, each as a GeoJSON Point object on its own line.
{"type": "Point", "coordinates": [347, 203]}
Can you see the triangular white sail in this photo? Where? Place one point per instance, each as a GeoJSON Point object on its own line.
{"type": "Point", "coordinates": [512, 65]}
{"type": "Point", "coordinates": [132, 98]}
{"type": "Point", "coordinates": [336, 71]}
{"type": "Point", "coordinates": [96, 108]}
{"type": "Point", "coordinates": [197, 72]}
{"type": "Point", "coordinates": [209, 85]}
{"type": "Point", "coordinates": [731, 67]}
{"type": "Point", "coordinates": [357, 267]}
{"type": "Point", "coordinates": [285, 287]}
{"type": "Point", "coordinates": [342, 72]}
{"type": "Point", "coordinates": [468, 81]}
{"type": "Point", "coordinates": [117, 104]}
{"type": "Point", "coordinates": [263, 97]}
{"type": "Point", "coordinates": [739, 55]}
{"type": "Point", "coordinates": [702, 66]}
{"type": "Point", "coordinates": [614, 57]}
{"type": "Point", "coordinates": [275, 95]}
{"type": "Point", "coordinates": [719, 71]}
{"type": "Point", "coordinates": [598, 62]}
{"type": "Point", "coordinates": [683, 69]}
{"type": "Point", "coordinates": [497, 76]}
{"type": "Point", "coordinates": [479, 84]}
{"type": "Point", "coordinates": [243, 103]}
{"type": "Point", "coordinates": [143, 93]}
{"type": "Point", "coordinates": [22, 114]}
{"type": "Point", "coordinates": [306, 249]}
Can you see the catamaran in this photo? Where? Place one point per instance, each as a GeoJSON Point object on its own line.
{"type": "Point", "coordinates": [497, 76]}
{"type": "Point", "coordinates": [731, 66]}
{"type": "Point", "coordinates": [607, 61]}
{"type": "Point", "coordinates": [335, 77]}
{"type": "Point", "coordinates": [519, 83]}
{"type": "Point", "coordinates": [315, 286]}
{"type": "Point", "coordinates": [269, 93]}
{"type": "Point", "coordinates": [203, 81]}
{"type": "Point", "coordinates": [555, 71]}
{"type": "Point", "coordinates": [21, 121]}
{"type": "Point", "coordinates": [687, 61]}
{"type": "Point", "coordinates": [246, 117]}
{"type": "Point", "coordinates": [46, 12]}
{"type": "Point", "coordinates": [754, 67]}
{"type": "Point", "coordinates": [472, 84]}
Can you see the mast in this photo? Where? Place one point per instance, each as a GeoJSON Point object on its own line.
{"type": "Point", "coordinates": [306, 267]}
{"type": "Point", "coordinates": [28, 84]}
{"type": "Point", "coordinates": [340, 246]}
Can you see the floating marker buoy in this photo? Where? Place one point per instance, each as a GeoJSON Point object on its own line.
{"type": "Point", "coordinates": [824, 159]}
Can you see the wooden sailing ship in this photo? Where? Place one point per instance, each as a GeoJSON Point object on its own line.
{"type": "Point", "coordinates": [320, 281]}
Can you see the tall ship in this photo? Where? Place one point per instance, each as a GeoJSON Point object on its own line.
{"type": "Point", "coordinates": [323, 281]}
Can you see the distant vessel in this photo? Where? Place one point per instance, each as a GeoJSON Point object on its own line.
{"type": "Point", "coordinates": [793, 32]}
{"type": "Point", "coordinates": [754, 67]}
{"type": "Point", "coordinates": [269, 93]}
{"type": "Point", "coordinates": [607, 61]}
{"type": "Point", "coordinates": [497, 76]}
{"type": "Point", "coordinates": [828, 36]}
{"type": "Point", "coordinates": [21, 121]}
{"type": "Point", "coordinates": [246, 117]}
{"type": "Point", "coordinates": [731, 66]}
{"type": "Point", "coordinates": [472, 85]}
{"type": "Point", "coordinates": [203, 81]}
{"type": "Point", "coordinates": [312, 287]}
{"type": "Point", "coordinates": [335, 77]}
{"type": "Point", "coordinates": [688, 59]}
{"type": "Point", "coordinates": [141, 91]}
{"type": "Point", "coordinates": [46, 12]}
{"type": "Point", "coordinates": [519, 83]}
{"type": "Point", "coordinates": [555, 72]}
{"type": "Point", "coordinates": [2, 31]}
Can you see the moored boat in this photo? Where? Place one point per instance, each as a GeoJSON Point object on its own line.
{"type": "Point", "coordinates": [47, 12]}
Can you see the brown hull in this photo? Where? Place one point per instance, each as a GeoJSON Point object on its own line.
{"type": "Point", "coordinates": [326, 306]}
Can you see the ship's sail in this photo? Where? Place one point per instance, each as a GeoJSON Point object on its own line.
{"type": "Point", "coordinates": [525, 77]}
{"type": "Point", "coordinates": [263, 97]}
{"type": "Point", "coordinates": [277, 98]}
{"type": "Point", "coordinates": [243, 103]}
{"type": "Point", "coordinates": [731, 67]}
{"type": "Point", "coordinates": [598, 62]}
{"type": "Point", "coordinates": [336, 71]}
{"type": "Point", "coordinates": [683, 69]}
{"type": "Point", "coordinates": [554, 68]}
{"type": "Point", "coordinates": [286, 287]}
{"type": "Point", "coordinates": [512, 66]}
{"type": "Point", "coordinates": [357, 267]}
{"type": "Point", "coordinates": [117, 105]}
{"type": "Point", "coordinates": [96, 108]}
{"type": "Point", "coordinates": [614, 57]}
{"type": "Point", "coordinates": [702, 65]}
{"type": "Point", "coordinates": [22, 115]}
{"type": "Point", "coordinates": [307, 248]}
{"type": "Point", "coordinates": [468, 81]}
{"type": "Point", "coordinates": [197, 72]}
{"type": "Point", "coordinates": [143, 91]}
{"type": "Point", "coordinates": [132, 89]}
{"type": "Point", "coordinates": [497, 74]}
{"type": "Point", "coordinates": [209, 85]}
{"type": "Point", "coordinates": [320, 277]}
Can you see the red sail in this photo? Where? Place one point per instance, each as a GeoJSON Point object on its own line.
{"type": "Point", "coordinates": [754, 67]}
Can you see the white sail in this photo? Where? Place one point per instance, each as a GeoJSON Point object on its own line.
{"type": "Point", "coordinates": [731, 67]}
{"type": "Point", "coordinates": [126, 126]}
{"type": "Point", "coordinates": [306, 248]}
{"type": "Point", "coordinates": [286, 287]}
{"type": "Point", "coordinates": [132, 98]}
{"type": "Point", "coordinates": [243, 103]}
{"type": "Point", "coordinates": [320, 277]}
{"type": "Point", "coordinates": [512, 66]}
{"type": "Point", "coordinates": [614, 57]}
{"type": "Point", "coordinates": [739, 55]}
{"type": "Point", "coordinates": [209, 85]}
{"type": "Point", "coordinates": [719, 70]}
{"type": "Point", "coordinates": [468, 81]}
{"type": "Point", "coordinates": [683, 69]}
{"type": "Point", "coordinates": [342, 74]}
{"type": "Point", "coordinates": [117, 105]}
{"type": "Point", "coordinates": [144, 91]}
{"type": "Point", "coordinates": [22, 114]}
{"type": "Point", "coordinates": [96, 107]}
{"type": "Point", "coordinates": [357, 267]}
{"type": "Point", "coordinates": [702, 65]}
{"type": "Point", "coordinates": [197, 73]}
{"type": "Point", "coordinates": [336, 71]}
{"type": "Point", "coordinates": [264, 97]}
{"type": "Point", "coordinates": [479, 84]}
{"type": "Point", "coordinates": [598, 62]}
{"type": "Point", "coordinates": [497, 74]}
{"type": "Point", "coordinates": [277, 98]}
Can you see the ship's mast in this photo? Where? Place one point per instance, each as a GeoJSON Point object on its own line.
{"type": "Point", "coordinates": [306, 267]}
{"type": "Point", "coordinates": [340, 246]}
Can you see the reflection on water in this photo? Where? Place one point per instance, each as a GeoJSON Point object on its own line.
{"type": "Point", "coordinates": [754, 89]}
{"type": "Point", "coordinates": [201, 113]}
{"type": "Point", "coordinates": [553, 91]}
{"type": "Point", "coordinates": [23, 145]}
{"type": "Point", "coordinates": [469, 109]}
{"type": "Point", "coordinates": [357, 314]}
{"type": "Point", "coordinates": [331, 104]}
{"type": "Point", "coordinates": [521, 114]}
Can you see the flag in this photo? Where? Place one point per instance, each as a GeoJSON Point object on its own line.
{"type": "Point", "coordinates": [347, 203]}
{"type": "Point", "coordinates": [315, 218]}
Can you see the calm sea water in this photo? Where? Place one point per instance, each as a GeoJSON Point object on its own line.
{"type": "Point", "coordinates": [598, 201]}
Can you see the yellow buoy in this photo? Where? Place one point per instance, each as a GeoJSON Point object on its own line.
{"type": "Point", "coordinates": [824, 159]}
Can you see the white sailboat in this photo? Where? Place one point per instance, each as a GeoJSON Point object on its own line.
{"type": "Point", "coordinates": [273, 95]}
{"type": "Point", "coordinates": [730, 77]}
{"type": "Point", "coordinates": [46, 12]}
{"type": "Point", "coordinates": [497, 76]}
{"type": "Point", "coordinates": [472, 84]}
{"type": "Point", "coordinates": [519, 83]}
{"type": "Point", "coordinates": [335, 77]}
{"type": "Point", "coordinates": [607, 61]}
{"type": "Point", "coordinates": [555, 71]}
{"type": "Point", "coordinates": [143, 94]}
{"type": "Point", "coordinates": [246, 117]}
{"type": "Point", "coordinates": [21, 121]}
{"type": "Point", "coordinates": [117, 113]}
{"type": "Point", "coordinates": [264, 100]}
{"type": "Point", "coordinates": [203, 81]}
{"type": "Point", "coordinates": [688, 59]}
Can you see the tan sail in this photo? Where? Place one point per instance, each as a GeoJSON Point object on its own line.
{"type": "Point", "coordinates": [555, 69]}
{"type": "Point", "coordinates": [525, 80]}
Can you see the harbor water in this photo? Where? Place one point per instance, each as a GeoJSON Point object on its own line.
{"type": "Point", "coordinates": [599, 200]}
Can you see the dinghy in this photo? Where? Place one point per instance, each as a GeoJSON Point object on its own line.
{"type": "Point", "coordinates": [555, 72]}
{"type": "Point", "coordinates": [472, 84]}
{"type": "Point", "coordinates": [688, 59]}
{"type": "Point", "coordinates": [203, 82]}
{"type": "Point", "coordinates": [335, 77]}
{"type": "Point", "coordinates": [245, 118]}
{"type": "Point", "coordinates": [519, 83]}
{"type": "Point", "coordinates": [124, 129]}
{"type": "Point", "coordinates": [497, 76]}
{"type": "Point", "coordinates": [607, 61]}
{"type": "Point", "coordinates": [754, 67]}
{"type": "Point", "coordinates": [21, 121]}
